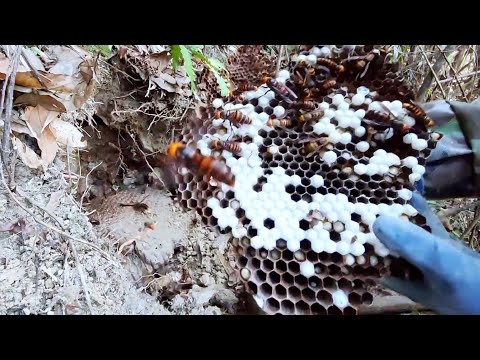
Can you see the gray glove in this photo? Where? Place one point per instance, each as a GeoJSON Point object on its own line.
{"type": "Point", "coordinates": [451, 270]}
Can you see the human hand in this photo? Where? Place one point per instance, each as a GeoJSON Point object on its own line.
{"type": "Point", "coordinates": [451, 270]}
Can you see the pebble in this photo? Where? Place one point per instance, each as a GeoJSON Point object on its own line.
{"type": "Point", "coordinates": [207, 279]}
{"type": "Point", "coordinates": [49, 284]}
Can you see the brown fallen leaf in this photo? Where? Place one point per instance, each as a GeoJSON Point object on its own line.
{"type": "Point", "coordinates": [88, 69]}
{"type": "Point", "coordinates": [84, 93]}
{"type": "Point", "coordinates": [46, 101]}
{"type": "Point", "coordinates": [33, 59]}
{"type": "Point", "coordinates": [27, 155]}
{"type": "Point", "coordinates": [67, 134]}
{"type": "Point", "coordinates": [168, 78]}
{"type": "Point", "coordinates": [48, 145]}
{"type": "Point", "coordinates": [54, 200]}
{"type": "Point", "coordinates": [37, 118]}
{"type": "Point", "coordinates": [15, 225]}
{"type": "Point", "coordinates": [157, 62]}
{"type": "Point", "coordinates": [161, 83]}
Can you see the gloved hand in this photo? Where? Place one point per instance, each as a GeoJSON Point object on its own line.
{"type": "Point", "coordinates": [451, 270]}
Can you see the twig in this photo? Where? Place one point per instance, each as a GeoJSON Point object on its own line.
{"type": "Point", "coordinates": [454, 73]}
{"type": "Point", "coordinates": [86, 183]}
{"type": "Point", "coordinates": [279, 59]}
{"type": "Point", "coordinates": [470, 227]}
{"type": "Point", "coordinates": [455, 211]}
{"type": "Point", "coordinates": [461, 77]}
{"type": "Point", "coordinates": [432, 74]}
{"type": "Point", "coordinates": [34, 71]}
{"type": "Point", "coordinates": [48, 226]}
{"type": "Point", "coordinates": [7, 107]}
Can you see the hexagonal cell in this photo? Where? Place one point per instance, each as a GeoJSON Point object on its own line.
{"type": "Point", "coordinates": [315, 283]}
{"type": "Point", "coordinates": [272, 305]}
{"type": "Point", "coordinates": [287, 307]}
{"type": "Point", "coordinates": [334, 270]}
{"type": "Point", "coordinates": [260, 275]}
{"type": "Point", "coordinates": [280, 291]}
{"type": "Point", "coordinates": [252, 287]}
{"type": "Point", "coordinates": [242, 261]}
{"type": "Point", "coordinates": [345, 285]}
{"type": "Point", "coordinates": [281, 266]}
{"type": "Point", "coordinates": [349, 311]}
{"type": "Point", "coordinates": [318, 309]}
{"type": "Point", "coordinates": [358, 284]}
{"type": "Point", "coordinates": [324, 297]}
{"type": "Point", "coordinates": [308, 295]}
{"type": "Point", "coordinates": [312, 256]}
{"type": "Point", "coordinates": [267, 265]}
{"type": "Point", "coordinates": [274, 277]}
{"type": "Point", "coordinates": [354, 298]}
{"type": "Point", "coordinates": [367, 298]}
{"type": "Point", "coordinates": [294, 293]}
{"type": "Point", "coordinates": [333, 310]}
{"type": "Point", "coordinates": [287, 255]}
{"type": "Point", "coordinates": [302, 308]}
{"type": "Point", "coordinates": [212, 221]}
{"type": "Point", "coordinates": [266, 290]}
{"type": "Point", "coordinates": [269, 223]}
{"type": "Point", "coordinates": [329, 284]}
{"type": "Point", "coordinates": [301, 281]}
{"type": "Point", "coordinates": [256, 263]}
{"type": "Point", "coordinates": [287, 279]}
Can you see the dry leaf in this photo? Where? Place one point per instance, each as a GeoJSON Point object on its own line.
{"type": "Point", "coordinates": [68, 61]}
{"type": "Point", "coordinates": [15, 225]}
{"type": "Point", "coordinates": [46, 101]}
{"type": "Point", "coordinates": [82, 96]}
{"type": "Point", "coordinates": [168, 78]}
{"type": "Point", "coordinates": [37, 118]}
{"type": "Point", "coordinates": [27, 155]}
{"type": "Point", "coordinates": [87, 70]}
{"type": "Point", "coordinates": [67, 134]}
{"type": "Point", "coordinates": [54, 200]}
{"type": "Point", "coordinates": [33, 59]}
{"type": "Point", "coordinates": [157, 62]}
{"type": "Point", "coordinates": [21, 129]}
{"type": "Point", "coordinates": [162, 84]}
{"type": "Point", "coordinates": [48, 144]}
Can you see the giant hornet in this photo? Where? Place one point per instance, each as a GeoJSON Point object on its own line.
{"type": "Point", "coordinates": [236, 117]}
{"type": "Point", "coordinates": [280, 89]}
{"type": "Point", "coordinates": [229, 145]}
{"type": "Point", "coordinates": [314, 115]}
{"type": "Point", "coordinates": [192, 159]}
{"type": "Point", "coordinates": [331, 65]}
{"type": "Point", "coordinates": [419, 114]}
{"type": "Point", "coordinates": [313, 145]}
{"type": "Point", "coordinates": [279, 123]}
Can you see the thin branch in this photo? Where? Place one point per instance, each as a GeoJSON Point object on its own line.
{"type": "Point", "coordinates": [34, 71]}
{"type": "Point", "coordinates": [455, 211]}
{"type": "Point", "coordinates": [422, 92]}
{"type": "Point", "coordinates": [7, 104]}
{"type": "Point", "coordinates": [75, 254]}
{"type": "Point", "coordinates": [48, 226]}
{"type": "Point", "coordinates": [454, 73]}
{"type": "Point", "coordinates": [279, 59]}
{"type": "Point", "coordinates": [461, 77]}
{"type": "Point", "coordinates": [470, 227]}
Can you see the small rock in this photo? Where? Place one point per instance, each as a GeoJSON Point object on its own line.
{"type": "Point", "coordinates": [211, 236]}
{"type": "Point", "coordinates": [26, 311]}
{"type": "Point", "coordinates": [207, 279]}
{"type": "Point", "coordinates": [51, 312]}
{"type": "Point", "coordinates": [49, 284]}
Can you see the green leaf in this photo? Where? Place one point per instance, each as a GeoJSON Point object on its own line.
{"type": "Point", "coordinates": [176, 56]}
{"type": "Point", "coordinates": [217, 64]}
{"type": "Point", "coordinates": [224, 89]}
{"type": "Point", "coordinates": [187, 62]}
{"type": "Point", "coordinates": [195, 47]}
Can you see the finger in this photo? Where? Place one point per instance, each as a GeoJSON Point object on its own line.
{"type": "Point", "coordinates": [409, 241]}
{"type": "Point", "coordinates": [415, 291]}
{"type": "Point", "coordinates": [421, 204]}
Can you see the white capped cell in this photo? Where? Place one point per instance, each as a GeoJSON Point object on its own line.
{"type": "Point", "coordinates": [217, 103]}
{"type": "Point", "coordinates": [342, 247]}
{"type": "Point", "coordinates": [278, 111]}
{"type": "Point", "coordinates": [256, 242]}
{"type": "Point", "coordinates": [419, 144]}
{"type": "Point", "coordinates": [419, 169]}
{"type": "Point", "coordinates": [335, 137]}
{"type": "Point", "coordinates": [330, 128]}
{"type": "Point", "coordinates": [372, 169]}
{"type": "Point", "coordinates": [307, 269]}
{"type": "Point", "coordinates": [340, 299]}
{"type": "Point", "coordinates": [357, 249]}
{"type": "Point", "coordinates": [360, 169]}
{"type": "Point", "coordinates": [359, 131]}
{"type": "Point", "coordinates": [343, 106]}
{"type": "Point", "coordinates": [284, 74]}
{"type": "Point", "coordinates": [349, 260]}
{"type": "Point", "coordinates": [330, 246]}
{"type": "Point", "coordinates": [319, 128]}
{"type": "Point", "coordinates": [346, 138]}
{"type": "Point", "coordinates": [337, 99]}
{"type": "Point", "coordinates": [330, 157]}
{"type": "Point", "coordinates": [317, 181]}
{"type": "Point", "coordinates": [358, 99]}
{"type": "Point", "coordinates": [362, 146]}
{"type": "Point", "coordinates": [410, 161]}
{"type": "Point", "coordinates": [311, 59]}
{"type": "Point", "coordinates": [363, 90]}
